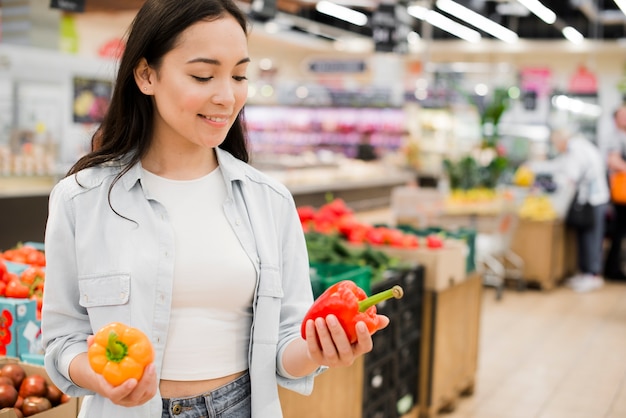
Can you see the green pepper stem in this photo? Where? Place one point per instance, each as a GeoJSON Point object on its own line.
{"type": "Point", "coordinates": [394, 292]}
{"type": "Point", "coordinates": [116, 349]}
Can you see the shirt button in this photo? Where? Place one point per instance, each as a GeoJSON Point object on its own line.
{"type": "Point", "coordinates": [238, 222]}
{"type": "Point", "coordinates": [122, 295]}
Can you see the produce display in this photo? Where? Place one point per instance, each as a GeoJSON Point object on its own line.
{"type": "Point", "coordinates": [350, 304]}
{"type": "Point", "coordinates": [335, 217]}
{"type": "Point", "coordinates": [22, 274]}
{"type": "Point", "coordinates": [537, 208]}
{"type": "Point", "coordinates": [524, 177]}
{"type": "Point", "coordinates": [27, 394]}
{"type": "Point", "coordinates": [120, 352]}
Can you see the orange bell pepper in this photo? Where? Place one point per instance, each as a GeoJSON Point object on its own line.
{"type": "Point", "coordinates": [120, 352]}
{"type": "Point", "coordinates": [350, 304]}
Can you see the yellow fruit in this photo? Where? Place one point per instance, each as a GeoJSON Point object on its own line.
{"type": "Point", "coordinates": [523, 177]}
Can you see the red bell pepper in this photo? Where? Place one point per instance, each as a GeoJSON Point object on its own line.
{"type": "Point", "coordinates": [350, 304]}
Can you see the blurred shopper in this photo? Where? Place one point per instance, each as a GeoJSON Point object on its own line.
{"type": "Point", "coordinates": [164, 226]}
{"type": "Point", "coordinates": [580, 162]}
{"type": "Point", "coordinates": [616, 162]}
{"type": "Point", "coordinates": [365, 149]}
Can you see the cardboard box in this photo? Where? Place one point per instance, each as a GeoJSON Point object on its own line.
{"type": "Point", "coordinates": [443, 267]}
{"type": "Point", "coordinates": [19, 327]}
{"type": "Point", "coordinates": [66, 410]}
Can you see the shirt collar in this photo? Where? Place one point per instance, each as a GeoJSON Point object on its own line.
{"type": "Point", "coordinates": [226, 160]}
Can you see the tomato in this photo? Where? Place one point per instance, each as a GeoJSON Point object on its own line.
{"type": "Point", "coordinates": [3, 288]}
{"type": "Point", "coordinates": [17, 289]}
{"type": "Point", "coordinates": [3, 270]}
{"type": "Point", "coordinates": [36, 258]}
{"type": "Point", "coordinates": [32, 274]}
{"type": "Point", "coordinates": [15, 256]}
{"type": "Point", "coordinates": [434, 241]}
{"type": "Point", "coordinates": [25, 254]}
{"type": "Point", "coordinates": [10, 276]}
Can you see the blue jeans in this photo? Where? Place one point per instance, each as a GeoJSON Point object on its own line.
{"type": "Point", "coordinates": [232, 400]}
{"type": "Point", "coordinates": [590, 243]}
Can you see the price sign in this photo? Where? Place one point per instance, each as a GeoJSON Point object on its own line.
{"type": "Point", "coordinates": [384, 27]}
{"type": "Point", "coordinates": [68, 5]}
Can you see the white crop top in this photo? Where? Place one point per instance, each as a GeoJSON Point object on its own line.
{"type": "Point", "coordinates": [214, 281]}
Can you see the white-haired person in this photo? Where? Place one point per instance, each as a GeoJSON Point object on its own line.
{"type": "Point", "coordinates": [580, 162]}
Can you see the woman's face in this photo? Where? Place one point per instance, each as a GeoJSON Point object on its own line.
{"type": "Point", "coordinates": [201, 85]}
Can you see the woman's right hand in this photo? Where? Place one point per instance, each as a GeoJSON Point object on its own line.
{"type": "Point", "coordinates": [130, 393]}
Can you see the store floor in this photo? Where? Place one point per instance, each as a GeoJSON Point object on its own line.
{"type": "Point", "coordinates": [550, 355]}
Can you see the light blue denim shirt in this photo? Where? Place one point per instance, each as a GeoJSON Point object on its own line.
{"type": "Point", "coordinates": [102, 267]}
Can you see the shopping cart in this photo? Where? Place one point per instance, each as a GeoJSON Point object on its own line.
{"type": "Point", "coordinates": [495, 260]}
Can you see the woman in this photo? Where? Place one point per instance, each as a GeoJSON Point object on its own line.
{"type": "Point", "coordinates": [580, 162]}
{"type": "Point", "coordinates": [164, 227]}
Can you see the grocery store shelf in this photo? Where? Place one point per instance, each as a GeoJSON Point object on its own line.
{"type": "Point", "coordinates": [19, 186]}
{"type": "Point", "coordinates": [365, 194]}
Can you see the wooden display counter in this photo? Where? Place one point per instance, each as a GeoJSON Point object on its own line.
{"type": "Point", "coordinates": [449, 354]}
{"type": "Point", "coordinates": [548, 249]}
{"type": "Point", "coordinates": [442, 363]}
{"type": "Point", "coordinates": [337, 393]}
{"type": "Point", "coordinates": [384, 382]}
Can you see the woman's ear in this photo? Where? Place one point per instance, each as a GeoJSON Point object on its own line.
{"type": "Point", "coordinates": [144, 76]}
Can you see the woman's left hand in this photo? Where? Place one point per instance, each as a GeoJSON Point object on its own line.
{"type": "Point", "coordinates": [328, 344]}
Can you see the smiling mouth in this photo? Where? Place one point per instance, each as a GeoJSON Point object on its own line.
{"type": "Point", "coordinates": [215, 119]}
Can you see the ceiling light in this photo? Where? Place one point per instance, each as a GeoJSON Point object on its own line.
{"type": "Point", "coordinates": [538, 9]}
{"type": "Point", "coordinates": [572, 35]}
{"type": "Point", "coordinates": [477, 20]}
{"type": "Point", "coordinates": [413, 38]}
{"type": "Point", "coordinates": [444, 23]}
{"type": "Point", "coordinates": [341, 12]}
{"type": "Point", "coordinates": [621, 4]}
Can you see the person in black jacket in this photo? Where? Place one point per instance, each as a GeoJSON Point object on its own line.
{"type": "Point", "coordinates": [617, 162]}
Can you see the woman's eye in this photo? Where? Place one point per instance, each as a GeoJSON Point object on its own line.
{"type": "Point", "coordinates": [240, 78]}
{"type": "Point", "coordinates": [201, 79]}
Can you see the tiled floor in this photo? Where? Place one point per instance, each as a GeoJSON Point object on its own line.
{"type": "Point", "coordinates": [550, 354]}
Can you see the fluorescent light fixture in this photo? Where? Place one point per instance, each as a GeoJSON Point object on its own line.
{"type": "Point", "coordinates": [572, 35]}
{"type": "Point", "coordinates": [621, 4]}
{"type": "Point", "coordinates": [444, 23]}
{"type": "Point", "coordinates": [538, 9]}
{"type": "Point", "coordinates": [341, 12]}
{"type": "Point", "coordinates": [478, 21]}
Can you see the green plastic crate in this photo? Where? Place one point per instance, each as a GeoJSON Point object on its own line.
{"type": "Point", "coordinates": [324, 275]}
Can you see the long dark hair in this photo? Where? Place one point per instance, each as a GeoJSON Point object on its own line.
{"type": "Point", "coordinates": [126, 129]}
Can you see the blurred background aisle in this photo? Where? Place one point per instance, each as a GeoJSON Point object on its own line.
{"type": "Point", "coordinates": [550, 355]}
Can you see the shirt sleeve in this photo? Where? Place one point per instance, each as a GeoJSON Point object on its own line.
{"type": "Point", "coordinates": [298, 294]}
{"type": "Point", "coordinates": [64, 324]}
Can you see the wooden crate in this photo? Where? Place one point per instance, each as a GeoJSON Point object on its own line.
{"type": "Point", "coordinates": [449, 351]}
{"type": "Point", "coordinates": [337, 393]}
{"type": "Point", "coordinates": [548, 249]}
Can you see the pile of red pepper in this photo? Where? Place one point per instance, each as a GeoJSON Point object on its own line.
{"type": "Point", "coordinates": [335, 217]}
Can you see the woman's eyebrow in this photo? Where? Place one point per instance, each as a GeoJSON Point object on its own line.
{"type": "Point", "coordinates": [213, 61]}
